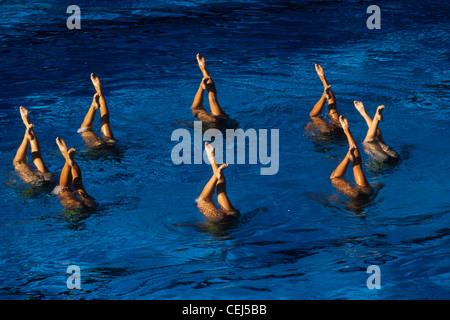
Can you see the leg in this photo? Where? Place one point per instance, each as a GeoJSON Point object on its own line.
{"type": "Point", "coordinates": [34, 142]}
{"type": "Point", "coordinates": [21, 154]}
{"type": "Point", "coordinates": [20, 162]}
{"type": "Point", "coordinates": [87, 133]}
{"type": "Point", "coordinates": [197, 106]}
{"type": "Point", "coordinates": [65, 179]}
{"type": "Point", "coordinates": [78, 186]}
{"type": "Point", "coordinates": [341, 169]}
{"type": "Point", "coordinates": [331, 99]}
{"type": "Point", "coordinates": [375, 149]}
{"type": "Point", "coordinates": [372, 132]}
{"type": "Point", "coordinates": [362, 110]}
{"type": "Point", "coordinates": [71, 174]}
{"type": "Point", "coordinates": [104, 112]}
{"type": "Point", "coordinates": [222, 196]}
{"type": "Point", "coordinates": [354, 155]}
{"type": "Point", "coordinates": [208, 190]}
{"type": "Point", "coordinates": [210, 86]}
{"type": "Point", "coordinates": [318, 107]}
{"type": "Point", "coordinates": [318, 122]}
{"type": "Point", "coordinates": [338, 180]}
{"type": "Point", "coordinates": [89, 118]}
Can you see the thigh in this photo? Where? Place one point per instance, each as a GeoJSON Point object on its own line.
{"type": "Point", "coordinates": [91, 138]}
{"type": "Point", "coordinates": [201, 114]}
{"type": "Point", "coordinates": [374, 150]}
{"type": "Point", "coordinates": [209, 210]}
{"type": "Point", "coordinates": [345, 187]}
{"type": "Point", "coordinates": [27, 174]}
{"type": "Point", "coordinates": [69, 200]}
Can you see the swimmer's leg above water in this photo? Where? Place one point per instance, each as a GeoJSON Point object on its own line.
{"type": "Point", "coordinates": [374, 139]}
{"type": "Point", "coordinates": [104, 111]}
{"type": "Point", "coordinates": [353, 155]}
{"type": "Point", "coordinates": [329, 94]}
{"type": "Point", "coordinates": [20, 160]}
{"type": "Point", "coordinates": [86, 128]}
{"type": "Point", "coordinates": [206, 84]}
{"type": "Point", "coordinates": [205, 200]}
{"type": "Point", "coordinates": [71, 180]}
{"type": "Point", "coordinates": [214, 105]}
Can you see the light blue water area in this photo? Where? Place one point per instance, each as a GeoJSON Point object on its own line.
{"type": "Point", "coordinates": [298, 237]}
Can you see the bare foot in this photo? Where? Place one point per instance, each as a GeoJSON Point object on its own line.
{"type": "Point", "coordinates": [350, 154]}
{"type": "Point", "coordinates": [95, 101]}
{"type": "Point", "coordinates": [28, 132]}
{"type": "Point", "coordinates": [24, 115]}
{"type": "Point", "coordinates": [379, 114]}
{"type": "Point", "coordinates": [71, 154]}
{"type": "Point", "coordinates": [209, 148]}
{"type": "Point", "coordinates": [319, 71]}
{"type": "Point", "coordinates": [359, 106]}
{"type": "Point", "coordinates": [65, 152]}
{"type": "Point", "coordinates": [201, 62]}
{"type": "Point", "coordinates": [204, 82]}
{"type": "Point", "coordinates": [96, 82]}
{"type": "Point", "coordinates": [219, 171]}
{"type": "Point", "coordinates": [344, 123]}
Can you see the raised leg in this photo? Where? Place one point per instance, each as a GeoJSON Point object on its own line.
{"type": "Point", "coordinates": [318, 107]}
{"type": "Point", "coordinates": [65, 179]}
{"type": "Point", "coordinates": [341, 169]}
{"type": "Point", "coordinates": [104, 111]}
{"type": "Point", "coordinates": [222, 196]}
{"type": "Point", "coordinates": [71, 174]}
{"type": "Point", "coordinates": [197, 106]}
{"type": "Point", "coordinates": [21, 154]}
{"type": "Point", "coordinates": [362, 110]}
{"type": "Point", "coordinates": [355, 155]}
{"type": "Point", "coordinates": [210, 86]}
{"type": "Point", "coordinates": [373, 128]}
{"type": "Point", "coordinates": [38, 161]}
{"type": "Point", "coordinates": [331, 99]}
{"type": "Point", "coordinates": [90, 115]}
{"type": "Point", "coordinates": [209, 189]}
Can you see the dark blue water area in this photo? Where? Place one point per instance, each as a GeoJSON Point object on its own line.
{"type": "Point", "coordinates": [297, 237]}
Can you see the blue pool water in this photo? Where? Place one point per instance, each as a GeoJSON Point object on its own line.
{"type": "Point", "coordinates": [298, 238]}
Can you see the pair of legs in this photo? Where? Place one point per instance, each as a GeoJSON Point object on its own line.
{"type": "Point", "coordinates": [353, 155]}
{"type": "Point", "coordinates": [374, 144]}
{"type": "Point", "coordinates": [20, 160]}
{"type": "Point", "coordinates": [70, 181]}
{"type": "Point", "coordinates": [86, 130]}
{"type": "Point", "coordinates": [217, 114]}
{"type": "Point", "coordinates": [329, 97]}
{"type": "Point", "coordinates": [205, 200]}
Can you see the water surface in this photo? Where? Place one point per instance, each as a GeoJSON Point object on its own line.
{"type": "Point", "coordinates": [298, 237]}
